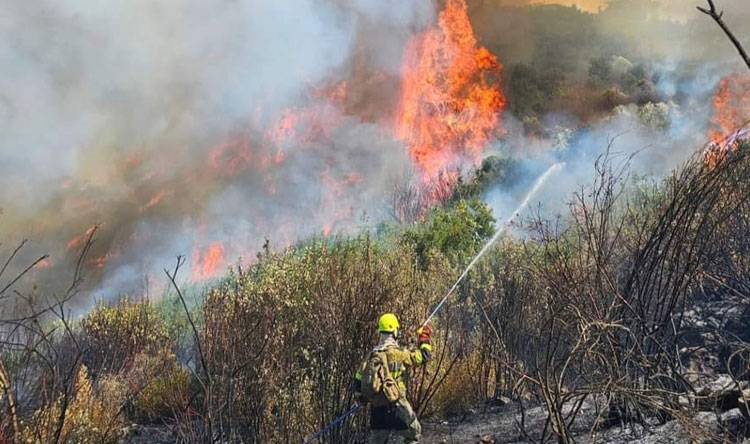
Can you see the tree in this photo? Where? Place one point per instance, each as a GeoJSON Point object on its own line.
{"type": "Point", "coordinates": [458, 231]}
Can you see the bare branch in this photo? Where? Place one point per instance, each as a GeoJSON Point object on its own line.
{"type": "Point", "coordinates": [12, 255]}
{"type": "Point", "coordinates": [717, 16]}
{"type": "Point", "coordinates": [172, 278]}
{"type": "Point", "coordinates": [21, 274]}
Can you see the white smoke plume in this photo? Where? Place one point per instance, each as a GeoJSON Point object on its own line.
{"type": "Point", "coordinates": [687, 55]}
{"type": "Point", "coordinates": [184, 125]}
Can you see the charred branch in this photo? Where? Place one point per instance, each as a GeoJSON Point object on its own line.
{"type": "Point", "coordinates": [718, 17]}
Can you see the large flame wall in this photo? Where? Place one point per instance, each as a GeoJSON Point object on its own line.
{"type": "Point", "coordinates": [450, 101]}
{"type": "Point", "coordinates": [206, 130]}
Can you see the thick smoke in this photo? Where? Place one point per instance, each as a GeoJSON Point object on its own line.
{"type": "Point", "coordinates": [683, 54]}
{"type": "Point", "coordinates": [181, 126]}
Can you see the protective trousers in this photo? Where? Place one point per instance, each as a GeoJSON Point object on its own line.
{"type": "Point", "coordinates": [411, 434]}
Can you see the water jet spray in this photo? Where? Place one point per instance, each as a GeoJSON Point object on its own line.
{"type": "Point", "coordinates": [535, 189]}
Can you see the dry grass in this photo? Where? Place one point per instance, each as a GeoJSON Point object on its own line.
{"type": "Point", "coordinates": [586, 308]}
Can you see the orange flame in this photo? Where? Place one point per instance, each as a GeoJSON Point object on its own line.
{"type": "Point", "coordinates": [231, 157]}
{"type": "Point", "coordinates": [208, 264]}
{"type": "Point", "coordinates": [101, 261]}
{"type": "Point", "coordinates": [304, 125]}
{"type": "Point", "coordinates": [731, 106]}
{"type": "Point", "coordinates": [134, 160]}
{"type": "Point", "coordinates": [731, 111]}
{"type": "Point", "coordinates": [448, 109]}
{"type": "Point", "coordinates": [335, 93]}
{"type": "Point", "coordinates": [285, 128]}
{"type": "Point", "coordinates": [154, 201]}
{"type": "Point", "coordinates": [333, 205]}
{"type": "Point", "coordinates": [79, 240]}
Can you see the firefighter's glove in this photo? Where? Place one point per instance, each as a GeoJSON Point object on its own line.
{"type": "Point", "coordinates": [425, 334]}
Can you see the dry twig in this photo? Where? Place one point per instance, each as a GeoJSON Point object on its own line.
{"type": "Point", "coordinates": [718, 17]}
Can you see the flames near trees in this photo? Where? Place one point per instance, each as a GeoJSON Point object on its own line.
{"type": "Point", "coordinates": [449, 109]}
{"type": "Point", "coordinates": [596, 313]}
{"type": "Point", "coordinates": [731, 105]}
{"type": "Point", "coordinates": [446, 108]}
{"type": "Point", "coordinates": [732, 99]}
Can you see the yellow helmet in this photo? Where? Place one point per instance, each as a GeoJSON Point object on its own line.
{"type": "Point", "coordinates": [388, 323]}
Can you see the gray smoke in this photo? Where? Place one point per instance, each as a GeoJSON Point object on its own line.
{"type": "Point", "coordinates": [178, 126]}
{"type": "Point", "coordinates": [152, 121]}
{"type": "Point", "coordinates": [685, 53]}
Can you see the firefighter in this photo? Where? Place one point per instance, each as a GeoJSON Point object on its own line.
{"type": "Point", "coordinates": [390, 412]}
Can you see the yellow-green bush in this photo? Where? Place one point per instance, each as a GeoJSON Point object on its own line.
{"type": "Point", "coordinates": [285, 337]}
{"type": "Point", "coordinates": [130, 342]}
{"type": "Point", "coordinates": [115, 334]}
{"type": "Point", "coordinates": [163, 387]}
{"type": "Point", "coordinates": [91, 416]}
{"type": "Point", "coordinates": [459, 392]}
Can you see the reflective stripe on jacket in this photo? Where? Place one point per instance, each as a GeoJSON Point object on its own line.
{"type": "Point", "coordinates": [400, 359]}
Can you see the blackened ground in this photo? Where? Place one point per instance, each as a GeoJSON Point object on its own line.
{"type": "Point", "coordinates": [713, 328]}
{"type": "Point", "coordinates": [503, 425]}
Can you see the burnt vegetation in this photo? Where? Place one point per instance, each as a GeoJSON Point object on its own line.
{"type": "Point", "coordinates": [631, 310]}
{"type": "Point", "coordinates": [597, 311]}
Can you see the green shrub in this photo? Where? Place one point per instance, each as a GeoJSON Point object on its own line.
{"type": "Point", "coordinates": [457, 232]}
{"type": "Point", "coordinates": [164, 393]}
{"type": "Point", "coordinates": [114, 335]}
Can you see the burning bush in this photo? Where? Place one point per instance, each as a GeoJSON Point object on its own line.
{"type": "Point", "coordinates": [450, 98]}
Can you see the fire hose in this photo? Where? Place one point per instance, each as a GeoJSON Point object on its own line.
{"type": "Point", "coordinates": [356, 407]}
{"type": "Point", "coordinates": [537, 185]}
{"type": "Point", "coordinates": [740, 134]}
